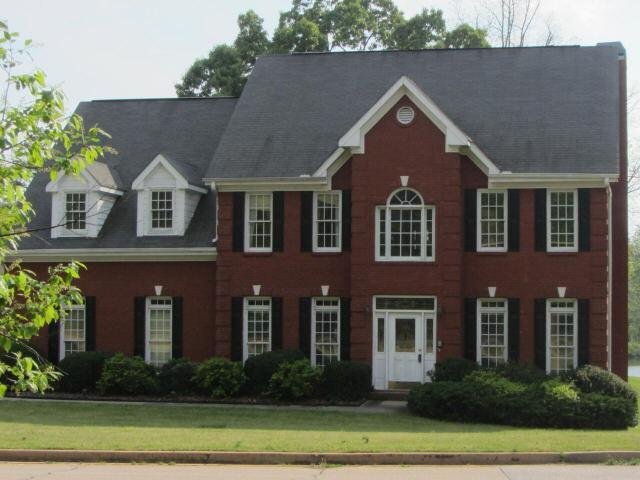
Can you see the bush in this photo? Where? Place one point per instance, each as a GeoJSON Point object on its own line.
{"type": "Point", "coordinates": [219, 377]}
{"type": "Point", "coordinates": [81, 371]}
{"type": "Point", "coordinates": [520, 372]}
{"type": "Point", "coordinates": [294, 380]}
{"type": "Point", "coordinates": [260, 369]}
{"type": "Point", "coordinates": [176, 377]}
{"type": "Point", "coordinates": [127, 376]}
{"type": "Point", "coordinates": [634, 349]}
{"type": "Point", "coordinates": [346, 381]}
{"type": "Point", "coordinates": [452, 370]}
{"type": "Point", "coordinates": [601, 411]}
{"type": "Point", "coordinates": [590, 379]}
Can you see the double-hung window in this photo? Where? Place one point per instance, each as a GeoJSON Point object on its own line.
{"type": "Point", "coordinates": [76, 211]}
{"type": "Point", "coordinates": [326, 221]}
{"type": "Point", "coordinates": [161, 210]}
{"type": "Point", "coordinates": [405, 228]}
{"type": "Point", "coordinates": [159, 330]}
{"type": "Point", "coordinates": [259, 227]}
{"type": "Point", "coordinates": [73, 329]}
{"type": "Point", "coordinates": [562, 335]}
{"type": "Point", "coordinates": [562, 226]}
{"type": "Point", "coordinates": [325, 331]}
{"type": "Point", "coordinates": [492, 220]}
{"type": "Point", "coordinates": [492, 334]}
{"type": "Point", "coordinates": [257, 326]}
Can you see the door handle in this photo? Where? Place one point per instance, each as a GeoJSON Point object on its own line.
{"type": "Point", "coordinates": [419, 358]}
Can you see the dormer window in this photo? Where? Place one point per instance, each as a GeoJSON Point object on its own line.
{"type": "Point", "coordinates": [76, 211]}
{"type": "Point", "coordinates": [162, 210]}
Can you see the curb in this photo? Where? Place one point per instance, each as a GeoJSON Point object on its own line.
{"type": "Point", "coordinates": [279, 458]}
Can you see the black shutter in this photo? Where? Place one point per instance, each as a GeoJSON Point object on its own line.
{"type": "Point", "coordinates": [176, 328]}
{"type": "Point", "coordinates": [278, 221]}
{"type": "Point", "coordinates": [345, 328]}
{"type": "Point", "coordinates": [470, 214]}
{"type": "Point", "coordinates": [236, 328]}
{"type": "Point", "coordinates": [139, 323]}
{"type": "Point", "coordinates": [540, 332]}
{"type": "Point", "coordinates": [514, 329]}
{"type": "Point", "coordinates": [540, 219]}
{"type": "Point", "coordinates": [346, 220]}
{"type": "Point", "coordinates": [584, 219]}
{"type": "Point", "coordinates": [238, 221]}
{"type": "Point", "coordinates": [90, 323]}
{"type": "Point", "coordinates": [470, 320]}
{"type": "Point", "coordinates": [304, 319]}
{"type": "Point", "coordinates": [276, 323]}
{"type": "Point", "coordinates": [583, 332]}
{"type": "Point", "coordinates": [54, 342]}
{"type": "Point", "coordinates": [513, 226]}
{"type": "Point", "coordinates": [306, 221]}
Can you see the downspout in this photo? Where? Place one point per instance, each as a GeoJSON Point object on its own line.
{"type": "Point", "coordinates": [609, 275]}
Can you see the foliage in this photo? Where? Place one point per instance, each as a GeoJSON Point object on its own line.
{"type": "Point", "coordinates": [634, 290]}
{"type": "Point", "coordinates": [35, 136]}
{"type": "Point", "coordinates": [634, 349]}
{"type": "Point", "coordinates": [260, 368]}
{"type": "Point", "coordinates": [127, 376]}
{"type": "Point", "coordinates": [346, 381]}
{"type": "Point", "coordinates": [590, 379]}
{"type": "Point", "coordinates": [176, 377]}
{"type": "Point", "coordinates": [520, 372]}
{"type": "Point", "coordinates": [322, 25]}
{"type": "Point", "coordinates": [220, 377]}
{"type": "Point", "coordinates": [81, 371]}
{"type": "Point", "coordinates": [452, 369]}
{"type": "Point", "coordinates": [596, 410]}
{"type": "Point", "coordinates": [294, 380]}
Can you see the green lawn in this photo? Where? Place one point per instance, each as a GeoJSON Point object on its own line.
{"type": "Point", "coordinates": [28, 424]}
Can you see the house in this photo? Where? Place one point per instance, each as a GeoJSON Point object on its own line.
{"type": "Point", "coordinates": [394, 208]}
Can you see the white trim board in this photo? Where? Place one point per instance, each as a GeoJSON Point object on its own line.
{"type": "Point", "coordinates": [49, 255]}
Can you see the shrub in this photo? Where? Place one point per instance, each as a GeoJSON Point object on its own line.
{"type": "Point", "coordinates": [81, 371]}
{"type": "Point", "coordinates": [520, 372]}
{"type": "Point", "coordinates": [176, 377]}
{"type": "Point", "coordinates": [452, 370]}
{"type": "Point", "coordinates": [590, 379]}
{"type": "Point", "coordinates": [294, 380]}
{"type": "Point", "coordinates": [346, 381]}
{"type": "Point", "coordinates": [458, 401]}
{"type": "Point", "coordinates": [127, 376]}
{"type": "Point", "coordinates": [634, 349]}
{"type": "Point", "coordinates": [219, 377]}
{"type": "Point", "coordinates": [596, 410]}
{"type": "Point", "coordinates": [260, 369]}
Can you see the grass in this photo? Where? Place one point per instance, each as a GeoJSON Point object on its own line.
{"type": "Point", "coordinates": [67, 425]}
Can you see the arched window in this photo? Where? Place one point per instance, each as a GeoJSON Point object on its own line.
{"type": "Point", "coordinates": [405, 228]}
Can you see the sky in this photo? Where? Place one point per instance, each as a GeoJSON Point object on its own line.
{"type": "Point", "coordinates": [95, 49]}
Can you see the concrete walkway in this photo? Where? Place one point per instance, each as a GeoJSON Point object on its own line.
{"type": "Point", "coordinates": [70, 471]}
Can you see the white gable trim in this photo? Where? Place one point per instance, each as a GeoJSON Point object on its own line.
{"type": "Point", "coordinates": [181, 182]}
{"type": "Point", "coordinates": [54, 185]}
{"type": "Point", "coordinates": [157, 254]}
{"type": "Point", "coordinates": [455, 139]}
{"type": "Point", "coordinates": [551, 180]}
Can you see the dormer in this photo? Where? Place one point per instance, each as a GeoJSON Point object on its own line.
{"type": "Point", "coordinates": [168, 194]}
{"type": "Point", "coordinates": [81, 203]}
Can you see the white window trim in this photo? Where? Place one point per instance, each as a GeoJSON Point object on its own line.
{"type": "Point", "coordinates": [337, 248]}
{"type": "Point", "coordinates": [423, 230]}
{"type": "Point", "coordinates": [479, 193]}
{"type": "Point", "coordinates": [148, 211]}
{"type": "Point", "coordinates": [247, 230]}
{"type": "Point", "coordinates": [479, 311]}
{"type": "Point", "coordinates": [147, 325]}
{"type": "Point", "coordinates": [245, 323]}
{"type": "Point", "coordinates": [315, 308]}
{"type": "Point", "coordinates": [575, 221]}
{"type": "Point", "coordinates": [61, 349]}
{"type": "Point", "coordinates": [573, 310]}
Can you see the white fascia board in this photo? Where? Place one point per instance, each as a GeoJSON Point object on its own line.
{"type": "Point", "coordinates": [51, 255]}
{"type": "Point", "coordinates": [138, 183]}
{"type": "Point", "coordinates": [551, 180]}
{"type": "Point", "coordinates": [54, 185]}
{"type": "Point", "coordinates": [285, 184]}
{"type": "Point", "coordinates": [455, 139]}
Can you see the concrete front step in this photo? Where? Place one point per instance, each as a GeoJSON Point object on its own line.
{"type": "Point", "coordinates": [389, 395]}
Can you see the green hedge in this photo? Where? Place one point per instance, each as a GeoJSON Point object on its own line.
{"type": "Point", "coordinates": [219, 377]}
{"type": "Point", "coordinates": [81, 371]}
{"type": "Point", "coordinates": [176, 377]}
{"type": "Point", "coordinates": [127, 376]}
{"type": "Point", "coordinates": [260, 368]}
{"type": "Point", "coordinates": [345, 381]}
{"type": "Point", "coordinates": [488, 396]}
{"type": "Point", "coordinates": [294, 381]}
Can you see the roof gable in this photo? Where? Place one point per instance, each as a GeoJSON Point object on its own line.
{"type": "Point", "coordinates": [180, 175]}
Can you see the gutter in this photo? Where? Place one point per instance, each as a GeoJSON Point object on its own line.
{"type": "Point", "coordinates": [50, 255]}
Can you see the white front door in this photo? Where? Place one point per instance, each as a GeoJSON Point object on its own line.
{"type": "Point", "coordinates": [406, 352]}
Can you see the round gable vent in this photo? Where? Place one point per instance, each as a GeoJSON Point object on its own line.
{"type": "Point", "coordinates": [405, 115]}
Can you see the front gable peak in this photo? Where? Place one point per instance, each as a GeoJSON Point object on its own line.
{"type": "Point", "coordinates": [179, 175]}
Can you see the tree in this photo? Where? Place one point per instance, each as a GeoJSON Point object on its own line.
{"type": "Point", "coordinates": [322, 25]}
{"type": "Point", "coordinates": [511, 21]}
{"type": "Point", "coordinates": [35, 136]}
{"type": "Point", "coordinates": [634, 287]}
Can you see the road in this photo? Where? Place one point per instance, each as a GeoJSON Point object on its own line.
{"type": "Point", "coordinates": [73, 471]}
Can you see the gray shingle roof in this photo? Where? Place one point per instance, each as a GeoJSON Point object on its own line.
{"type": "Point", "coordinates": [531, 110]}
{"type": "Point", "coordinates": [187, 131]}
{"type": "Point", "coordinates": [105, 175]}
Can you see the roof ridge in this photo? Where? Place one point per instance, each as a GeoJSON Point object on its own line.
{"type": "Point", "coordinates": [157, 99]}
